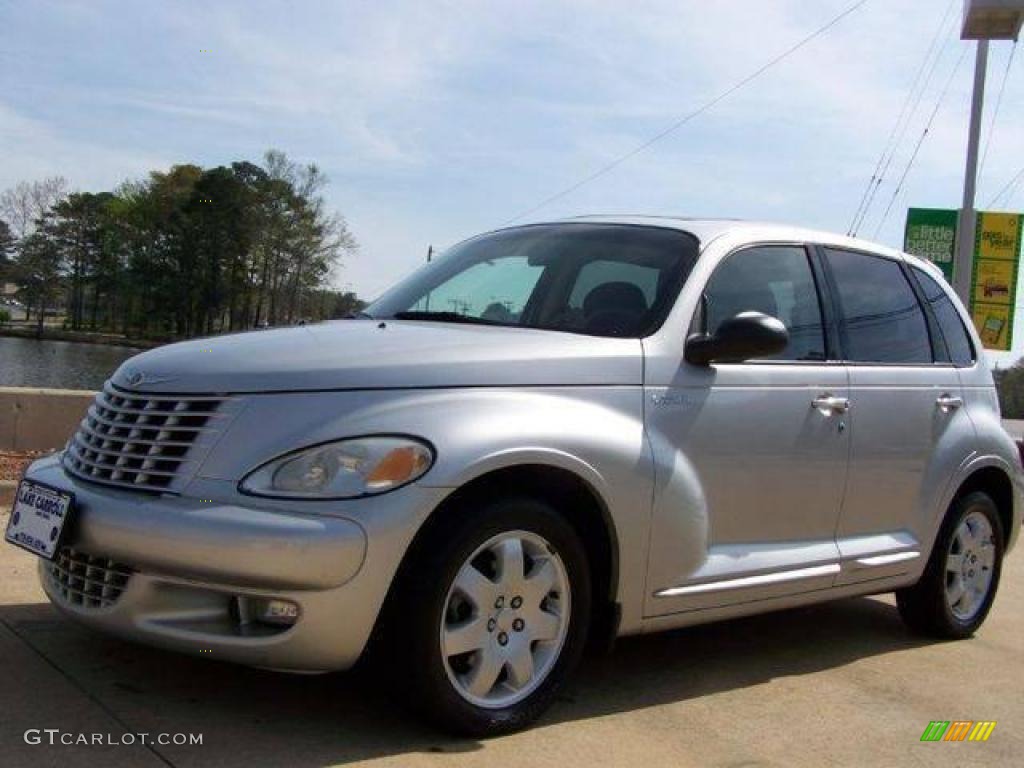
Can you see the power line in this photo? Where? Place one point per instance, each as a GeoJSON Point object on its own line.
{"type": "Point", "coordinates": [892, 142]}
{"type": "Point", "coordinates": [899, 141]}
{"type": "Point", "coordinates": [1012, 194]}
{"type": "Point", "coordinates": [900, 127]}
{"type": "Point", "coordinates": [687, 118]}
{"type": "Point", "coordinates": [995, 112]}
{"type": "Point", "coordinates": [920, 141]}
{"type": "Point", "coordinates": [1008, 189]}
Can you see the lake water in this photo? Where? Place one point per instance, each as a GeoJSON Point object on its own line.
{"type": "Point", "coordinates": [58, 364]}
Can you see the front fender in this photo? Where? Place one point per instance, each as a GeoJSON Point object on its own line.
{"type": "Point", "coordinates": [597, 433]}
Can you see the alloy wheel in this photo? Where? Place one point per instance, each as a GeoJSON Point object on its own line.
{"type": "Point", "coordinates": [969, 564]}
{"type": "Point", "coordinates": [505, 619]}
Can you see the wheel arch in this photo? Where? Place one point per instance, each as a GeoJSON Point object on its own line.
{"type": "Point", "coordinates": [574, 497]}
{"type": "Point", "coordinates": [994, 481]}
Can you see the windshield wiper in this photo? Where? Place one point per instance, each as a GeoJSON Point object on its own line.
{"type": "Point", "coordinates": [444, 317]}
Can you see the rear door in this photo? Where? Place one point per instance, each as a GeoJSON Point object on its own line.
{"type": "Point", "coordinates": [905, 398]}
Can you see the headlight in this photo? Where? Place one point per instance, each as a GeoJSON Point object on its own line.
{"type": "Point", "coordinates": [342, 470]}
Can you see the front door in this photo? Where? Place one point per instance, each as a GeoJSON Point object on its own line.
{"type": "Point", "coordinates": [752, 457]}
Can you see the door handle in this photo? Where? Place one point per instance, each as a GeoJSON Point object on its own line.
{"type": "Point", "coordinates": [831, 403]}
{"type": "Point", "coordinates": [949, 402]}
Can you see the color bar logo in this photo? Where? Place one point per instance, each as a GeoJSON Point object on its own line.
{"type": "Point", "coordinates": [958, 730]}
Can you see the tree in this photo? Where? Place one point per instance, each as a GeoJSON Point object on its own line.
{"type": "Point", "coordinates": [110, 289]}
{"type": "Point", "coordinates": [25, 204]}
{"type": "Point", "coordinates": [305, 243]}
{"type": "Point", "coordinates": [219, 236]}
{"type": "Point", "coordinates": [38, 270]}
{"type": "Point", "coordinates": [6, 249]}
{"type": "Point", "coordinates": [346, 304]}
{"type": "Point", "coordinates": [161, 267]}
{"type": "Point", "coordinates": [76, 224]}
{"type": "Point", "coordinates": [1010, 387]}
{"type": "Point", "coordinates": [185, 251]}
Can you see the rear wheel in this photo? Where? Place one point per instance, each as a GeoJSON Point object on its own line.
{"type": "Point", "coordinates": [495, 607]}
{"type": "Point", "coordinates": [959, 584]}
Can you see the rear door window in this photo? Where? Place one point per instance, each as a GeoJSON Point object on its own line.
{"type": "Point", "coordinates": [882, 319]}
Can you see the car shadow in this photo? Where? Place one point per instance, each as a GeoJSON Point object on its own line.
{"type": "Point", "coordinates": [250, 716]}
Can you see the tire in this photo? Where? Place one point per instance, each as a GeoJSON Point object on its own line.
{"type": "Point", "coordinates": [932, 606]}
{"type": "Point", "coordinates": [442, 607]}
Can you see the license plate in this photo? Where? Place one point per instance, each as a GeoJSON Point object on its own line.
{"type": "Point", "coordinates": [38, 518]}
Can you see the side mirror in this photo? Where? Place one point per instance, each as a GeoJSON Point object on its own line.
{"type": "Point", "coordinates": [742, 337]}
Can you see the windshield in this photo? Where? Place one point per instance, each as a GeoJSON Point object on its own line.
{"type": "Point", "coordinates": [598, 279]}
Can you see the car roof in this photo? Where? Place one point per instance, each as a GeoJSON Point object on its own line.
{"type": "Point", "coordinates": [709, 229]}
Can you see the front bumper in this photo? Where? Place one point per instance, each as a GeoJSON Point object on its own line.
{"type": "Point", "coordinates": [195, 559]}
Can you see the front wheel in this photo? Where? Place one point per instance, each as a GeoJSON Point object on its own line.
{"type": "Point", "coordinates": [497, 604]}
{"type": "Point", "coordinates": [959, 584]}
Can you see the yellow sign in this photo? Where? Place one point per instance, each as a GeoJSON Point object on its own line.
{"type": "Point", "coordinates": [993, 324]}
{"type": "Point", "coordinates": [994, 282]}
{"type": "Point", "coordinates": [998, 236]}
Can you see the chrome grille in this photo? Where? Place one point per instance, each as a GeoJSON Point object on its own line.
{"type": "Point", "coordinates": [144, 441]}
{"type": "Point", "coordinates": [85, 580]}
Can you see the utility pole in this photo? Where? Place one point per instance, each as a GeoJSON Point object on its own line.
{"type": "Point", "coordinates": [983, 20]}
{"type": "Point", "coordinates": [963, 260]}
{"type": "Point", "coordinates": [430, 255]}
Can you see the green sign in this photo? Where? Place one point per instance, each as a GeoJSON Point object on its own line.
{"type": "Point", "coordinates": [931, 234]}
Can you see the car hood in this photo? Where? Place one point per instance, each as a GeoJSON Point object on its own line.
{"type": "Point", "coordinates": [373, 354]}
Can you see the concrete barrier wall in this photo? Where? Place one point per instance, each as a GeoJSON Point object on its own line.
{"type": "Point", "coordinates": [40, 419]}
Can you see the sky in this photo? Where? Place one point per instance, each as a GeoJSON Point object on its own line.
{"type": "Point", "coordinates": [435, 121]}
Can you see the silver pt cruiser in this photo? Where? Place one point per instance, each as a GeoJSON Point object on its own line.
{"type": "Point", "coordinates": [570, 430]}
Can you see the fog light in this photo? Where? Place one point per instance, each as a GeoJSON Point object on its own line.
{"type": "Point", "coordinates": [279, 612]}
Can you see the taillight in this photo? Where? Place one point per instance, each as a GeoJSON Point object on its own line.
{"type": "Point", "coordinates": [1020, 452]}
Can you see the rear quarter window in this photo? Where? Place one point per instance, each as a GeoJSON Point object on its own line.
{"type": "Point", "coordinates": [954, 334]}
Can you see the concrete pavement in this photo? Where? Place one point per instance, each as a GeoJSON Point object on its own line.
{"type": "Point", "coordinates": [838, 684]}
